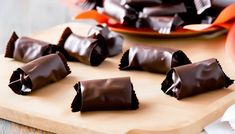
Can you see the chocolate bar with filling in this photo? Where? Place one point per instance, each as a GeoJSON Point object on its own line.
{"type": "Point", "coordinates": [87, 50]}
{"type": "Point", "coordinates": [26, 49]}
{"type": "Point", "coordinates": [38, 73]}
{"type": "Point", "coordinates": [152, 59]}
{"type": "Point", "coordinates": [192, 79]}
{"type": "Point", "coordinates": [105, 94]}
{"type": "Point", "coordinates": [113, 41]}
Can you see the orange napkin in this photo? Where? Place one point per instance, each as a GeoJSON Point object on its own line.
{"type": "Point", "coordinates": [93, 14]}
{"type": "Point", "coordinates": [226, 17]}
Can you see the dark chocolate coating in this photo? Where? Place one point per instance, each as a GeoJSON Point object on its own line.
{"type": "Point", "coordinates": [113, 41]}
{"type": "Point", "coordinates": [152, 59]}
{"type": "Point", "coordinates": [193, 79]}
{"type": "Point", "coordinates": [87, 50]}
{"type": "Point", "coordinates": [105, 94]}
{"type": "Point", "coordinates": [26, 49]}
{"type": "Point", "coordinates": [122, 13]}
{"type": "Point", "coordinates": [38, 73]}
{"type": "Point", "coordinates": [164, 10]}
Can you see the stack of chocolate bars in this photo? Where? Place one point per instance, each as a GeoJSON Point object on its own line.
{"type": "Point", "coordinates": [163, 16]}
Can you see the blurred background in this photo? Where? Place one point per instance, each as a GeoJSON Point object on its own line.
{"type": "Point", "coordinates": [28, 16]}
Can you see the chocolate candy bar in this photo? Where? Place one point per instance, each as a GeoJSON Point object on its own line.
{"type": "Point", "coordinates": [152, 59]}
{"type": "Point", "coordinates": [38, 73]}
{"type": "Point", "coordinates": [26, 49]}
{"type": "Point", "coordinates": [193, 79]}
{"type": "Point", "coordinates": [123, 14]}
{"type": "Point", "coordinates": [113, 41]}
{"type": "Point", "coordinates": [105, 94]}
{"type": "Point", "coordinates": [87, 50]}
{"type": "Point", "coordinates": [165, 9]}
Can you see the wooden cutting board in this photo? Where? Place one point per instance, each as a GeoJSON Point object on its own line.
{"type": "Point", "coordinates": [49, 108]}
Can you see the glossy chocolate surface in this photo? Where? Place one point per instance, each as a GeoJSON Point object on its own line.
{"type": "Point", "coordinates": [123, 14]}
{"type": "Point", "coordinates": [26, 49]}
{"type": "Point", "coordinates": [38, 73]}
{"type": "Point", "coordinates": [113, 41]}
{"type": "Point", "coordinates": [192, 79]}
{"type": "Point", "coordinates": [87, 50]}
{"type": "Point", "coordinates": [152, 59]}
{"type": "Point", "coordinates": [105, 94]}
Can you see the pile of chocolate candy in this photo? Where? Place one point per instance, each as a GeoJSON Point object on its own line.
{"type": "Point", "coordinates": [163, 16]}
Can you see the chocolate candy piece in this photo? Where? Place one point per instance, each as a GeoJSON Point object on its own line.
{"type": "Point", "coordinates": [123, 14]}
{"type": "Point", "coordinates": [193, 79]}
{"type": "Point", "coordinates": [87, 50]}
{"type": "Point", "coordinates": [38, 73]}
{"type": "Point", "coordinates": [152, 59]}
{"type": "Point", "coordinates": [105, 94]}
{"type": "Point", "coordinates": [113, 41]}
{"type": "Point", "coordinates": [26, 49]}
{"type": "Point", "coordinates": [165, 9]}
